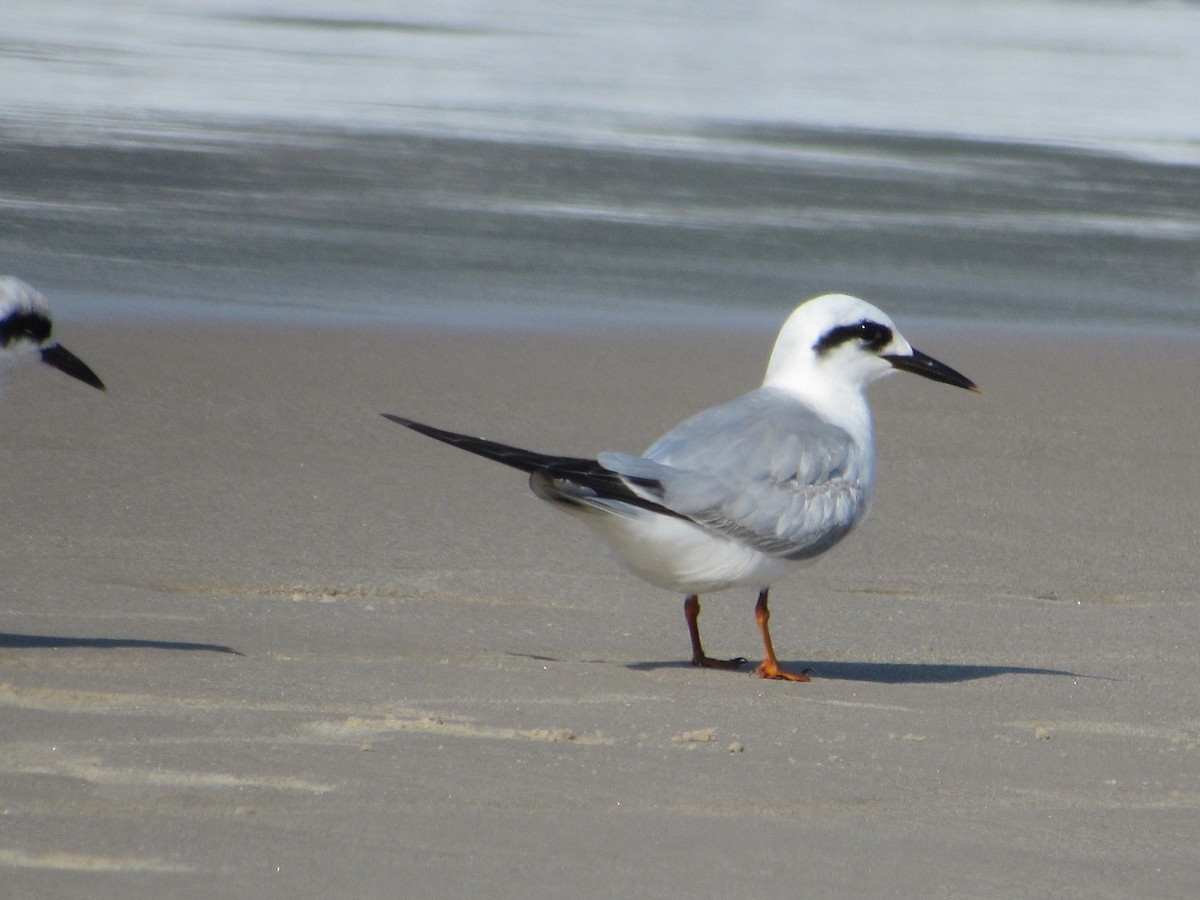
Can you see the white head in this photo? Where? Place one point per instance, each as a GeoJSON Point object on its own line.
{"type": "Point", "coordinates": [833, 346]}
{"type": "Point", "coordinates": [25, 329]}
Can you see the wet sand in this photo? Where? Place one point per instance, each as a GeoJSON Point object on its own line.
{"type": "Point", "coordinates": [256, 641]}
{"type": "Point", "coordinates": [735, 224]}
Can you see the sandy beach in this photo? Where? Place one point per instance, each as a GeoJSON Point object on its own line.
{"type": "Point", "coordinates": [256, 641]}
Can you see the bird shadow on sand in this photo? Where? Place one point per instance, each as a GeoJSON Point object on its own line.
{"type": "Point", "coordinates": [47, 641]}
{"type": "Point", "coordinates": [885, 673]}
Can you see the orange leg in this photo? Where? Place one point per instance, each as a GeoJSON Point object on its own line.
{"type": "Point", "coordinates": [770, 665]}
{"type": "Point", "coordinates": [691, 612]}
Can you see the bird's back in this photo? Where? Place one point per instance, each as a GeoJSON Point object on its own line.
{"type": "Point", "coordinates": [763, 472]}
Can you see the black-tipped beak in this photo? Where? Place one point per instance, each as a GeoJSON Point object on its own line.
{"type": "Point", "coordinates": [929, 367]}
{"type": "Point", "coordinates": [64, 360]}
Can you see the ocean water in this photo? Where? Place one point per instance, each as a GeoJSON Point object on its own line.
{"type": "Point", "coordinates": [564, 164]}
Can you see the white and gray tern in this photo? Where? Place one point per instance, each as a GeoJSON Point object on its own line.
{"type": "Point", "coordinates": [744, 493]}
{"type": "Point", "coordinates": [26, 333]}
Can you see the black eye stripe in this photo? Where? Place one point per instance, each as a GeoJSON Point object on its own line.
{"type": "Point", "coordinates": [871, 335]}
{"type": "Point", "coordinates": [24, 324]}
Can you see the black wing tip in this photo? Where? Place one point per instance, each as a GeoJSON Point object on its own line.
{"type": "Point", "coordinates": [449, 437]}
{"type": "Point", "coordinates": [419, 427]}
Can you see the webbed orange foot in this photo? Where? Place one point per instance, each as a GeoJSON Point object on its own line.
{"type": "Point", "coordinates": [771, 669]}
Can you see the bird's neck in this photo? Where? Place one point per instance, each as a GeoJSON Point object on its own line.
{"type": "Point", "coordinates": [844, 406]}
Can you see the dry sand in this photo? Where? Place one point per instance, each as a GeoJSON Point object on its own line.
{"type": "Point", "coordinates": [259, 642]}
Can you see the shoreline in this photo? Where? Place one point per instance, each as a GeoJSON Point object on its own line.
{"type": "Point", "coordinates": [394, 227]}
{"type": "Point", "coordinates": [664, 321]}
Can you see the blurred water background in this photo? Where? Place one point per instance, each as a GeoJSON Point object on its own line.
{"type": "Point", "coordinates": [568, 164]}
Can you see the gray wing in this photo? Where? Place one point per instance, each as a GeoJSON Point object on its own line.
{"type": "Point", "coordinates": [763, 469]}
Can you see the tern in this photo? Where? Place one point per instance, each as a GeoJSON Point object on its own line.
{"type": "Point", "coordinates": [744, 493]}
{"type": "Point", "coordinates": [25, 333]}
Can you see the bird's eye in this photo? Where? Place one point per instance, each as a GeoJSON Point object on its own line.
{"type": "Point", "coordinates": [24, 325]}
{"type": "Point", "coordinates": [873, 335]}
{"type": "Point", "coordinates": [867, 334]}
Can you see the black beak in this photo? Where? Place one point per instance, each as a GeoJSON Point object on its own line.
{"type": "Point", "coordinates": [929, 367]}
{"type": "Point", "coordinates": [64, 360]}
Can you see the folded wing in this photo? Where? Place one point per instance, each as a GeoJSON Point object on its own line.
{"type": "Point", "coordinates": [762, 470]}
